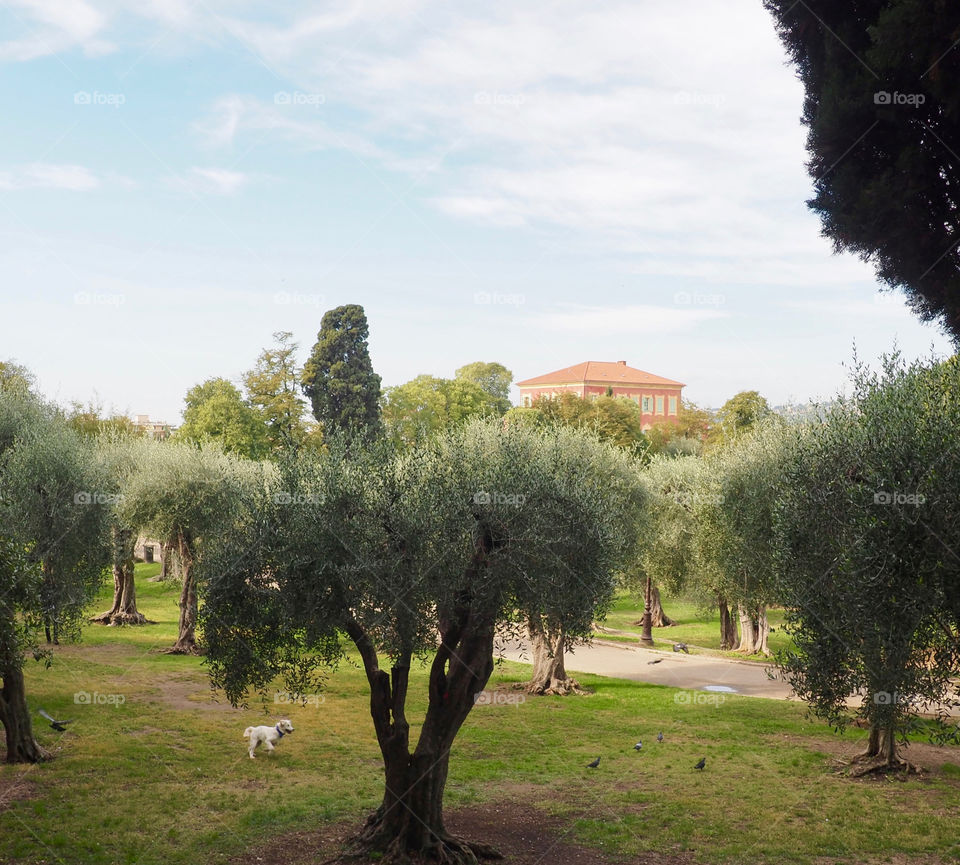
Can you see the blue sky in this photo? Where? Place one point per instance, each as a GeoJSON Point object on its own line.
{"type": "Point", "coordinates": [535, 184]}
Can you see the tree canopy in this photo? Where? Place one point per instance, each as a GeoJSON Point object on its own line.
{"type": "Point", "coordinates": [217, 412]}
{"type": "Point", "coordinates": [423, 553]}
{"type": "Point", "coordinates": [338, 378]}
{"type": "Point", "coordinates": [883, 113]}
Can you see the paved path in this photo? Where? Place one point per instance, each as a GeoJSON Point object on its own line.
{"type": "Point", "coordinates": [695, 672]}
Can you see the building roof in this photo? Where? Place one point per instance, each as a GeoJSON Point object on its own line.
{"type": "Point", "coordinates": [599, 372]}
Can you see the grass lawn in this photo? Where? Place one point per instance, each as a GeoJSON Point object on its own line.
{"type": "Point", "coordinates": [164, 777]}
{"type": "Point", "coordinates": [693, 627]}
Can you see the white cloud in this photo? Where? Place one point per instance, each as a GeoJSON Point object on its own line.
{"type": "Point", "coordinates": [52, 26]}
{"type": "Point", "coordinates": [45, 175]}
{"type": "Point", "coordinates": [219, 181]}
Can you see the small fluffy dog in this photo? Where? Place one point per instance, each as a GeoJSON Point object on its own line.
{"type": "Point", "coordinates": [266, 735]}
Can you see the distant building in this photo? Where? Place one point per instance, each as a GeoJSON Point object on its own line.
{"type": "Point", "coordinates": [658, 397]}
{"type": "Point", "coordinates": [156, 429]}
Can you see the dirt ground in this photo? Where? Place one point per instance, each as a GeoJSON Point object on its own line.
{"type": "Point", "coordinates": [522, 834]}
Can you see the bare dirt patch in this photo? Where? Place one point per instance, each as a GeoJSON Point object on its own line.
{"type": "Point", "coordinates": [179, 693]}
{"type": "Point", "coordinates": [15, 786]}
{"type": "Point", "coordinates": [929, 758]}
{"type": "Point", "coordinates": [524, 835]}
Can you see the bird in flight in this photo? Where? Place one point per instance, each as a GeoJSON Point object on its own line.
{"type": "Point", "coordinates": [681, 647]}
{"type": "Point", "coordinates": [594, 764]}
{"type": "Point", "coordinates": [60, 726]}
{"type": "Point", "coordinates": [701, 764]}
{"type": "Point", "coordinates": [638, 746]}
{"type": "Point", "coordinates": [660, 737]}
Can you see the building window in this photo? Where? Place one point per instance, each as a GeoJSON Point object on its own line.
{"type": "Point", "coordinates": [673, 405]}
{"type": "Point", "coordinates": [659, 405]}
{"type": "Point", "coordinates": [647, 405]}
{"type": "Point", "coordinates": [526, 401]}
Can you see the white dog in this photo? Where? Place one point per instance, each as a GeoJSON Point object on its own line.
{"type": "Point", "coordinates": [266, 735]}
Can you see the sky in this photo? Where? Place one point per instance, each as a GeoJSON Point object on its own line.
{"type": "Point", "coordinates": [532, 184]}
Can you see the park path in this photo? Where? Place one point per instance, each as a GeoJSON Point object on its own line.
{"type": "Point", "coordinates": [693, 672]}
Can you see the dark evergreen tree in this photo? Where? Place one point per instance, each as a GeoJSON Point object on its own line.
{"type": "Point", "coordinates": [338, 378]}
{"type": "Point", "coordinates": [883, 112]}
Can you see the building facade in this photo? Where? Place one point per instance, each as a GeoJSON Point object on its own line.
{"type": "Point", "coordinates": [659, 398]}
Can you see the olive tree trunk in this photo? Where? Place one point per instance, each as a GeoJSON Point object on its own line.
{"type": "Point", "coordinates": [549, 674]}
{"type": "Point", "coordinates": [15, 718]}
{"type": "Point", "coordinates": [658, 618]}
{"type": "Point", "coordinates": [754, 630]}
{"type": "Point", "coordinates": [124, 610]}
{"type": "Point", "coordinates": [187, 638]}
{"type": "Point", "coordinates": [729, 640]}
{"type": "Point", "coordinates": [409, 822]}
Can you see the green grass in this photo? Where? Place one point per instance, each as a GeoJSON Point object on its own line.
{"type": "Point", "coordinates": [159, 779]}
{"type": "Point", "coordinates": [694, 626]}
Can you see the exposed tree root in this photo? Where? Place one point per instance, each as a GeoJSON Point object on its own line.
{"type": "Point", "coordinates": [115, 619]}
{"type": "Point", "coordinates": [863, 765]}
{"type": "Point", "coordinates": [556, 687]}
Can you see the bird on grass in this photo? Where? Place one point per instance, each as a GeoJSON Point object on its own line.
{"type": "Point", "coordinates": [660, 737]}
{"type": "Point", "coordinates": [59, 726]}
{"type": "Point", "coordinates": [638, 746]}
{"type": "Point", "coordinates": [681, 647]}
{"type": "Point", "coordinates": [657, 661]}
{"type": "Point", "coordinates": [594, 764]}
{"type": "Point", "coordinates": [701, 764]}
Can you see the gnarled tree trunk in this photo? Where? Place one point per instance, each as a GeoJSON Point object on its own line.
{"type": "Point", "coordinates": [658, 618]}
{"type": "Point", "coordinates": [187, 638]}
{"type": "Point", "coordinates": [549, 674]}
{"type": "Point", "coordinates": [729, 639]}
{"type": "Point", "coordinates": [15, 717]}
{"type": "Point", "coordinates": [754, 630]}
{"type": "Point", "coordinates": [882, 753]}
{"type": "Point", "coordinates": [124, 610]}
{"type": "Point", "coordinates": [409, 822]}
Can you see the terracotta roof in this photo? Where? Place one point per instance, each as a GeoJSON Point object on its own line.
{"type": "Point", "coordinates": [599, 371]}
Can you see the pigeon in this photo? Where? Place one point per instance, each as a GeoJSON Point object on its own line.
{"type": "Point", "coordinates": [657, 661]}
{"type": "Point", "coordinates": [594, 764]}
{"type": "Point", "coordinates": [638, 746]}
{"type": "Point", "coordinates": [59, 726]}
{"type": "Point", "coordinates": [659, 737]}
{"type": "Point", "coordinates": [701, 764]}
{"type": "Point", "coordinates": [681, 647]}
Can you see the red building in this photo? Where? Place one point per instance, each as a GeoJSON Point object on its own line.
{"type": "Point", "coordinates": [658, 397]}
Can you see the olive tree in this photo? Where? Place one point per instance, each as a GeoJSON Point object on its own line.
{"type": "Point", "coordinates": [419, 555]}
{"type": "Point", "coordinates": [869, 553]}
{"type": "Point", "coordinates": [122, 458]}
{"type": "Point", "coordinates": [52, 549]}
{"type": "Point", "coordinates": [735, 506]}
{"type": "Point", "coordinates": [187, 494]}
